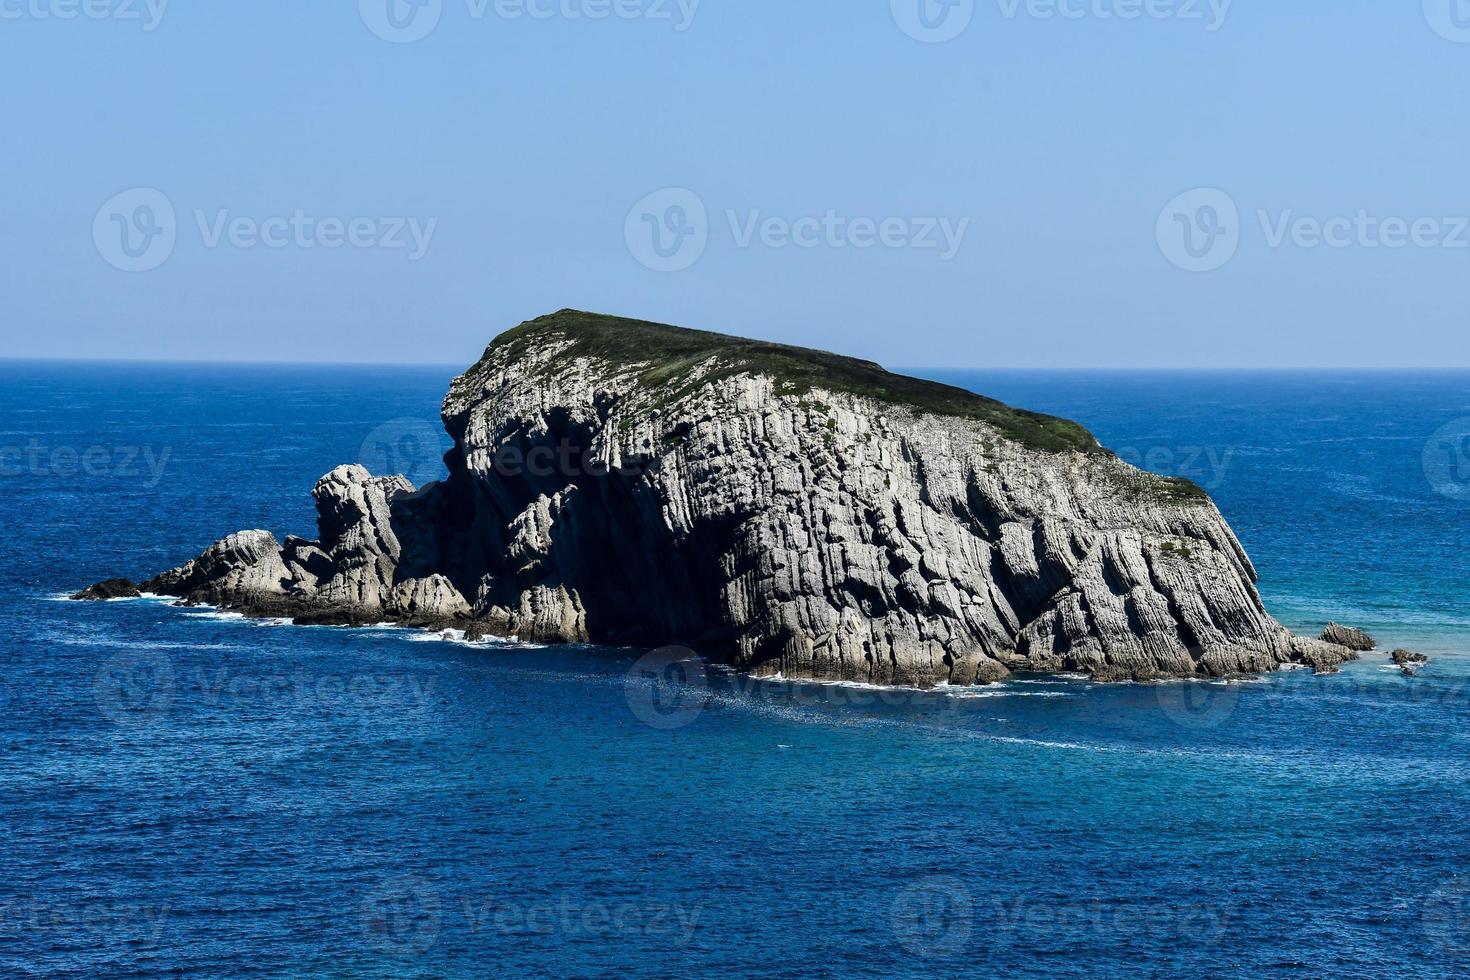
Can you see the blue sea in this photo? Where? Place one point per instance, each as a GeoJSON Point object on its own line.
{"type": "Point", "coordinates": [187, 793]}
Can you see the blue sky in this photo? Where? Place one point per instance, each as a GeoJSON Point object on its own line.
{"type": "Point", "coordinates": [836, 173]}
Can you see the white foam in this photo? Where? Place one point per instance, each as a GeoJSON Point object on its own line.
{"type": "Point", "coordinates": [438, 636]}
{"type": "Point", "coordinates": [142, 644]}
{"type": "Point", "coordinates": [973, 695]}
{"type": "Point", "coordinates": [214, 614]}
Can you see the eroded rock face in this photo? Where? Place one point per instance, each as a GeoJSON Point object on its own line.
{"type": "Point", "coordinates": [795, 523]}
{"type": "Point", "coordinates": [350, 576]}
{"type": "Point", "coordinates": [1347, 636]}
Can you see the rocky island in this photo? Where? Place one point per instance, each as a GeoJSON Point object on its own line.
{"type": "Point", "coordinates": [775, 509]}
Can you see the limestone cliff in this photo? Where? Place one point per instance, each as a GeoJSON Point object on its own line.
{"type": "Point", "coordinates": [773, 508]}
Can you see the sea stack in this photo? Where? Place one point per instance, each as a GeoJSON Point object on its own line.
{"type": "Point", "coordinates": [775, 509]}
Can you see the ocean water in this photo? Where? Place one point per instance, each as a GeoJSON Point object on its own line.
{"type": "Point", "coordinates": [184, 792]}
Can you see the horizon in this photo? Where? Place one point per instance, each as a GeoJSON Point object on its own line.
{"type": "Point", "coordinates": [891, 369]}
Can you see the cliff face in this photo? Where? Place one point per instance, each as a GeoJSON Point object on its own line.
{"type": "Point", "coordinates": [776, 509]}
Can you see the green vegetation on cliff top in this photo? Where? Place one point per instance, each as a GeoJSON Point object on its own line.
{"type": "Point", "coordinates": [667, 355]}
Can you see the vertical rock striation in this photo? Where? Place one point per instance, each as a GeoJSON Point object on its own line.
{"type": "Point", "coordinates": [777, 509]}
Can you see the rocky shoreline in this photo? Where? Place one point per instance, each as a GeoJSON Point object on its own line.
{"type": "Point", "coordinates": [775, 509]}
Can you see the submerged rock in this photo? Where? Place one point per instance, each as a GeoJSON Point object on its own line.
{"type": "Point", "coordinates": [777, 510]}
{"type": "Point", "coordinates": [113, 588]}
{"type": "Point", "coordinates": [1347, 636]}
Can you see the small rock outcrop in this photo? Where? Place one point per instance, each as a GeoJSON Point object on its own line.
{"type": "Point", "coordinates": [1408, 661]}
{"type": "Point", "coordinates": [1347, 636]}
{"type": "Point", "coordinates": [113, 588]}
{"type": "Point", "coordinates": [778, 510]}
{"type": "Point", "coordinates": [351, 576]}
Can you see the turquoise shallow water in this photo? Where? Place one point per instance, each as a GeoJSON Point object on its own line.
{"type": "Point", "coordinates": [185, 792]}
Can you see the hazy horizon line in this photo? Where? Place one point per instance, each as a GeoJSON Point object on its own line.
{"type": "Point", "coordinates": [907, 369]}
